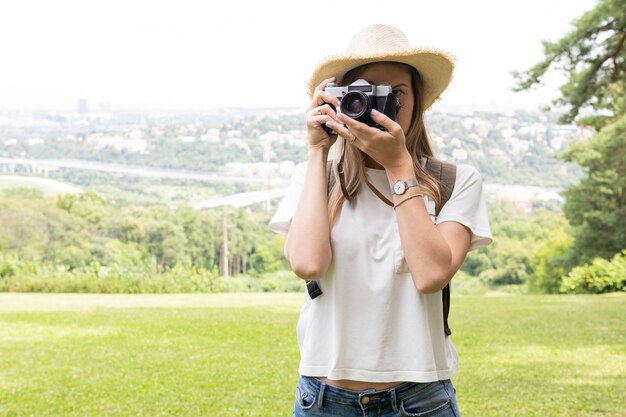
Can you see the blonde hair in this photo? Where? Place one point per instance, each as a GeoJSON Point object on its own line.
{"type": "Point", "coordinates": [417, 143]}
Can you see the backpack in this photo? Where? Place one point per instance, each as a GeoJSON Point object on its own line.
{"type": "Point", "coordinates": [445, 173]}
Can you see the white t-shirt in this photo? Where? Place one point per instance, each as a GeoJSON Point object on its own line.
{"type": "Point", "coordinates": [371, 324]}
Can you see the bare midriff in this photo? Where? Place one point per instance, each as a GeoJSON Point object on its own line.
{"type": "Point", "coordinates": [358, 385]}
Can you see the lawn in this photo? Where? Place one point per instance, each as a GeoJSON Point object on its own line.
{"type": "Point", "coordinates": [236, 355]}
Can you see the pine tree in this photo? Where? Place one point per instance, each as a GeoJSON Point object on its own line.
{"type": "Point", "coordinates": [593, 55]}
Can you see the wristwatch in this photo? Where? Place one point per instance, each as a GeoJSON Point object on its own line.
{"type": "Point", "coordinates": [400, 186]}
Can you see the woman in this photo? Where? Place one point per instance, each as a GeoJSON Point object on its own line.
{"type": "Point", "coordinates": [373, 343]}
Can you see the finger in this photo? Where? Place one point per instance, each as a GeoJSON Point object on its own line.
{"type": "Point", "coordinates": [318, 121]}
{"type": "Point", "coordinates": [342, 131]}
{"type": "Point", "coordinates": [323, 109]}
{"type": "Point", "coordinates": [322, 85]}
{"type": "Point", "coordinates": [321, 122]}
{"type": "Point", "coordinates": [357, 128]}
{"type": "Point", "coordinates": [322, 97]}
{"type": "Point", "coordinates": [329, 98]}
{"type": "Point", "coordinates": [325, 113]}
{"type": "Point", "coordinates": [382, 119]}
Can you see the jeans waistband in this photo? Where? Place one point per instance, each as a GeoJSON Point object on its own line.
{"type": "Point", "coordinates": [390, 396]}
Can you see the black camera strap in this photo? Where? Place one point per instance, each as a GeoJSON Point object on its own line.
{"type": "Point", "coordinates": [342, 180]}
{"type": "Point", "coordinates": [340, 172]}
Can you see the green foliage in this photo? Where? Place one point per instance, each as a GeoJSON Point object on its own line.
{"type": "Point", "coordinates": [518, 238]}
{"type": "Point", "coordinates": [269, 257]}
{"type": "Point", "coordinates": [85, 243]}
{"type": "Point", "coordinates": [279, 281]}
{"type": "Point", "coordinates": [551, 262]}
{"type": "Point", "coordinates": [26, 276]}
{"type": "Point", "coordinates": [92, 208]}
{"type": "Point", "coordinates": [596, 207]}
{"type": "Point", "coordinates": [466, 284]}
{"type": "Point", "coordinates": [594, 57]}
{"type": "Point", "coordinates": [28, 193]}
{"type": "Point", "coordinates": [112, 252]}
{"type": "Point", "coordinates": [600, 276]}
{"type": "Point", "coordinates": [66, 201]}
{"type": "Point", "coordinates": [498, 157]}
{"type": "Point", "coordinates": [8, 268]}
{"type": "Point", "coordinates": [23, 226]}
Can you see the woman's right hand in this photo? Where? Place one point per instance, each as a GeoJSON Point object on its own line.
{"type": "Point", "coordinates": [318, 113]}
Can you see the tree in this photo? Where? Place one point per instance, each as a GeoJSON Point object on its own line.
{"type": "Point", "coordinates": [593, 55]}
{"type": "Point", "coordinates": [550, 263]}
{"type": "Point", "coordinates": [89, 206]}
{"type": "Point", "coordinates": [596, 207]}
{"type": "Point", "coordinates": [200, 232]}
{"type": "Point", "coordinates": [24, 231]}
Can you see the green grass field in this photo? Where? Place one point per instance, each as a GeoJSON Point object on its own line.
{"type": "Point", "coordinates": [236, 355]}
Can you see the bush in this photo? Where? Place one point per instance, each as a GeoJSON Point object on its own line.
{"type": "Point", "coordinates": [550, 263]}
{"type": "Point", "coordinates": [466, 284]}
{"type": "Point", "coordinates": [600, 276]}
{"type": "Point", "coordinates": [280, 281]}
{"type": "Point", "coordinates": [24, 276]}
{"type": "Point", "coordinates": [7, 268]}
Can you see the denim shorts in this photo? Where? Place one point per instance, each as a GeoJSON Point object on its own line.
{"type": "Point", "coordinates": [431, 399]}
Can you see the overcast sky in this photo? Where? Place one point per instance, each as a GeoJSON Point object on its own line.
{"type": "Point", "coordinates": [185, 55]}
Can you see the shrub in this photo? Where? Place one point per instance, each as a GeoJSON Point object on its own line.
{"type": "Point", "coordinates": [466, 284]}
{"type": "Point", "coordinates": [24, 276]}
{"type": "Point", "coordinates": [598, 277]}
{"type": "Point", "coordinates": [550, 263]}
{"type": "Point", "coordinates": [279, 281]}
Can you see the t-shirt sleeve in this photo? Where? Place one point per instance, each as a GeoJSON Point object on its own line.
{"type": "Point", "coordinates": [287, 208]}
{"type": "Point", "coordinates": [467, 206]}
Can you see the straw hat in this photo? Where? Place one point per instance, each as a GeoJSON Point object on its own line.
{"type": "Point", "coordinates": [377, 43]}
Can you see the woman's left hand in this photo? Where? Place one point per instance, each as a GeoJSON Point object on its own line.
{"type": "Point", "coordinates": [388, 148]}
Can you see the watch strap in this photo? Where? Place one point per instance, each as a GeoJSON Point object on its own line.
{"type": "Point", "coordinates": [413, 182]}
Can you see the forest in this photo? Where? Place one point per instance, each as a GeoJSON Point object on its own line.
{"type": "Point", "coordinates": [84, 243]}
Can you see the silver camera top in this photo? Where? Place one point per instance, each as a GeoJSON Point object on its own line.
{"type": "Point", "coordinates": [381, 89]}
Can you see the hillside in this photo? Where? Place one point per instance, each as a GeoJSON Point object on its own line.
{"type": "Point", "coordinates": [507, 148]}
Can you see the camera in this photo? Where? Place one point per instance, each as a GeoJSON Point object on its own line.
{"type": "Point", "coordinates": [359, 98]}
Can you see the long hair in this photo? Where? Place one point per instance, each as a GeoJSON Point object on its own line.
{"type": "Point", "coordinates": [417, 143]}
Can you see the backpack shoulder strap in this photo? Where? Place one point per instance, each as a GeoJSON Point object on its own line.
{"type": "Point", "coordinates": [330, 176]}
{"type": "Point", "coordinates": [445, 173]}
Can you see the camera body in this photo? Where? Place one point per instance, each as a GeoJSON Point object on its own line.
{"type": "Point", "coordinates": [359, 98]}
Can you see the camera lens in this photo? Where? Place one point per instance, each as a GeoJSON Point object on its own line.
{"type": "Point", "coordinates": [355, 104]}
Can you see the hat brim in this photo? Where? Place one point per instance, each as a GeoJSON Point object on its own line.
{"type": "Point", "coordinates": [435, 68]}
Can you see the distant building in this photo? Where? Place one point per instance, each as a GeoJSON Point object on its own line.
{"type": "Point", "coordinates": [118, 142]}
{"type": "Point", "coordinates": [35, 141]}
{"type": "Point", "coordinates": [82, 106]}
{"type": "Point", "coordinates": [523, 196]}
{"type": "Point", "coordinates": [459, 154]}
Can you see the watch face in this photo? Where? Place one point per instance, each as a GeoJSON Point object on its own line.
{"type": "Point", "coordinates": [399, 187]}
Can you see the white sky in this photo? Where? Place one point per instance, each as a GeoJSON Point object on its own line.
{"type": "Point", "coordinates": [185, 55]}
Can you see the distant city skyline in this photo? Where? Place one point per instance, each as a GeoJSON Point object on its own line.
{"type": "Point", "coordinates": [185, 55]}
